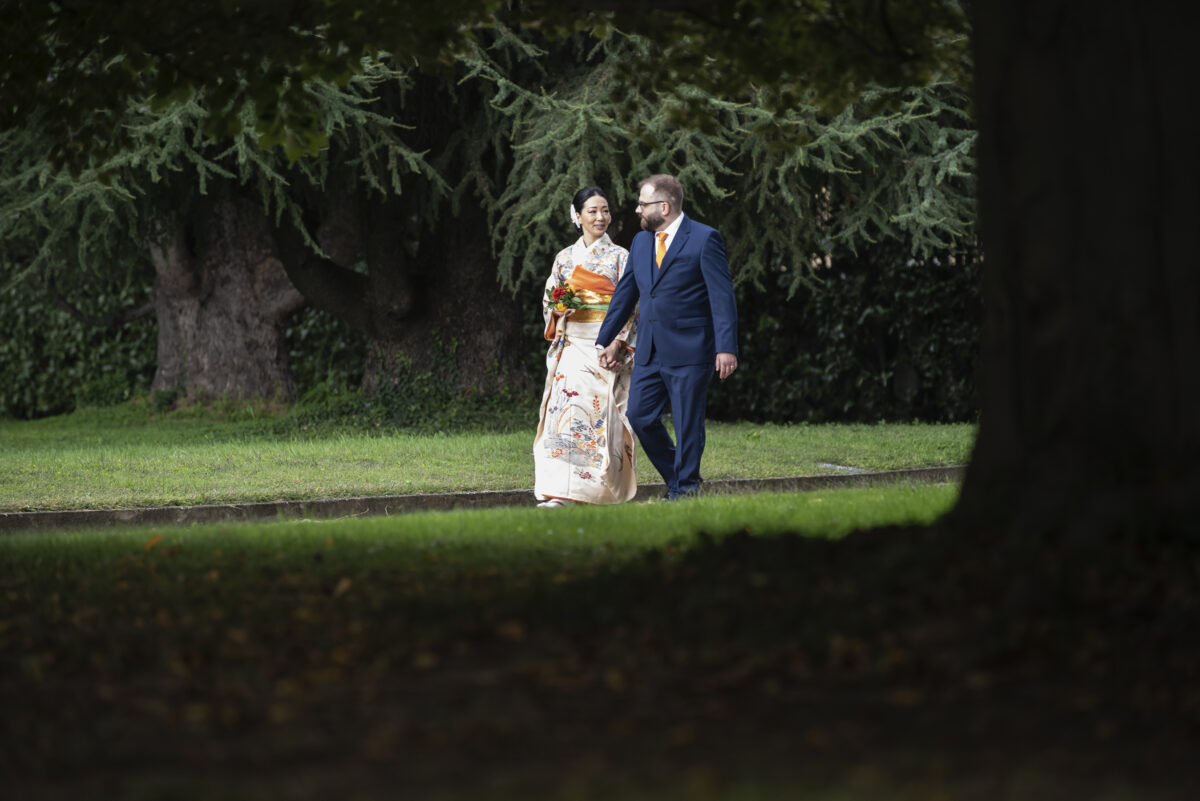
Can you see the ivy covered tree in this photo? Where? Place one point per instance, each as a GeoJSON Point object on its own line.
{"type": "Point", "coordinates": [437, 188]}
{"type": "Point", "coordinates": [204, 216]}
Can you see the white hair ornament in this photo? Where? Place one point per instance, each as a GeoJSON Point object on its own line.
{"type": "Point", "coordinates": [575, 216]}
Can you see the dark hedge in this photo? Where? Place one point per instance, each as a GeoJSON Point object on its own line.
{"type": "Point", "coordinates": [881, 337]}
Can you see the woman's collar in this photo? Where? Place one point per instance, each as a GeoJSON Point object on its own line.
{"type": "Point", "coordinates": [603, 239]}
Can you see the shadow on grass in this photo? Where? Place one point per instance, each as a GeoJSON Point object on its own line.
{"type": "Point", "coordinates": [892, 664]}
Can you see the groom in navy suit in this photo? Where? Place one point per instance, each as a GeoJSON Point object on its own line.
{"type": "Point", "coordinates": [687, 329]}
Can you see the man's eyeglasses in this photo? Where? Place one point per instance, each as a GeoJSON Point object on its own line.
{"type": "Point", "coordinates": [641, 203]}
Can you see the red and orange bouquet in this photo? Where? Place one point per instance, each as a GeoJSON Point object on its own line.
{"type": "Point", "coordinates": [563, 297]}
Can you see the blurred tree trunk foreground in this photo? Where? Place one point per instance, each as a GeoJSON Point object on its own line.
{"type": "Point", "coordinates": [1088, 200]}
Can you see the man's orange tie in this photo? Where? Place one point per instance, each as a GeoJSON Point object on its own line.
{"type": "Point", "coordinates": [662, 249]}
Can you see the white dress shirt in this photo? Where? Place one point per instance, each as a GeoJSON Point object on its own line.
{"type": "Point", "coordinates": [670, 231]}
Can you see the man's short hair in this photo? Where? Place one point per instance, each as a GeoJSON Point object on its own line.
{"type": "Point", "coordinates": [666, 187]}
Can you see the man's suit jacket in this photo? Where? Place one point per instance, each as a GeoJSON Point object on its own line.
{"type": "Point", "coordinates": [688, 312]}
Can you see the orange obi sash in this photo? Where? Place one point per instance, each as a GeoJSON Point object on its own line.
{"type": "Point", "coordinates": [594, 290]}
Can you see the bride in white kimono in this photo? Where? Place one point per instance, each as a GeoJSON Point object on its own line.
{"type": "Point", "coordinates": [584, 451]}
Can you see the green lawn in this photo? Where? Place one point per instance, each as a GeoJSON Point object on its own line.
{"type": "Point", "coordinates": [833, 645]}
{"type": "Point", "coordinates": [474, 654]}
{"type": "Point", "coordinates": [730, 648]}
{"type": "Point", "coordinates": [125, 458]}
{"type": "Point", "coordinates": [524, 538]}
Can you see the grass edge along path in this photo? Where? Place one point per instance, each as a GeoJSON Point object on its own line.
{"type": "Point", "coordinates": [103, 463]}
{"type": "Point", "coordinates": [328, 508]}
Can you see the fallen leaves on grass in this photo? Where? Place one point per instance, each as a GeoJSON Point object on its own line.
{"type": "Point", "coordinates": [744, 646]}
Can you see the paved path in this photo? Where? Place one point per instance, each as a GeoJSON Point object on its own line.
{"type": "Point", "coordinates": [11, 522]}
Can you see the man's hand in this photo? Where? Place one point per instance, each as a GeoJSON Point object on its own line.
{"type": "Point", "coordinates": [726, 364]}
{"type": "Point", "coordinates": [608, 356]}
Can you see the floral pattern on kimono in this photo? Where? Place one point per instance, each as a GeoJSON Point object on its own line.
{"type": "Point", "coordinates": [583, 450]}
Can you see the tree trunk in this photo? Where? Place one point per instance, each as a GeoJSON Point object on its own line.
{"type": "Point", "coordinates": [441, 308]}
{"type": "Point", "coordinates": [461, 319]}
{"type": "Point", "coordinates": [1088, 201]}
{"type": "Point", "coordinates": [222, 301]}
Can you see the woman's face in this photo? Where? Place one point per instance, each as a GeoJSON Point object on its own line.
{"type": "Point", "coordinates": [594, 217]}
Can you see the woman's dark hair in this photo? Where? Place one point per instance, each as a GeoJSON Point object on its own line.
{"type": "Point", "coordinates": [582, 196]}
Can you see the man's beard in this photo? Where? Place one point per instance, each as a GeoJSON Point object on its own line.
{"type": "Point", "coordinates": [650, 222]}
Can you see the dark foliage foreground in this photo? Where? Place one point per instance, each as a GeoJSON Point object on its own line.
{"type": "Point", "coordinates": [902, 663]}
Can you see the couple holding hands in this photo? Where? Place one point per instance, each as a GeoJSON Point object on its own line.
{"type": "Point", "coordinates": [633, 334]}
